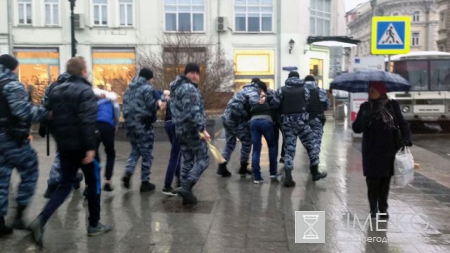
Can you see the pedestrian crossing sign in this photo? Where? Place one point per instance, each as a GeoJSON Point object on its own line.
{"type": "Point", "coordinates": [391, 35]}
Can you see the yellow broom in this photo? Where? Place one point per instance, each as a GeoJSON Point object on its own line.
{"type": "Point", "coordinates": [214, 151]}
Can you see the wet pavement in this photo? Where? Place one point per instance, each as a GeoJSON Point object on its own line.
{"type": "Point", "coordinates": [234, 215]}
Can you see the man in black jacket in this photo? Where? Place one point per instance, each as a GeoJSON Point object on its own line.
{"type": "Point", "coordinates": [74, 114]}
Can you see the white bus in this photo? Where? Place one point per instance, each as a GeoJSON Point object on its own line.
{"type": "Point", "coordinates": [429, 76]}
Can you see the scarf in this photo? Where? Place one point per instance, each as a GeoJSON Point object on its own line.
{"type": "Point", "coordinates": [380, 112]}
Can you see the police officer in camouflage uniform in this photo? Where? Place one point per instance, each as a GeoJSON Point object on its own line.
{"type": "Point", "coordinates": [189, 118]}
{"type": "Point", "coordinates": [16, 115]}
{"type": "Point", "coordinates": [318, 104]}
{"type": "Point", "coordinates": [140, 106]}
{"type": "Point", "coordinates": [292, 100]}
{"type": "Point", "coordinates": [235, 121]}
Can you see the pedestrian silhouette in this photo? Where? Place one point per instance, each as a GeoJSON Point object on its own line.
{"type": "Point", "coordinates": [391, 35]}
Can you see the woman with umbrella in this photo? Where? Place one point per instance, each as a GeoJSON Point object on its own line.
{"type": "Point", "coordinates": [384, 131]}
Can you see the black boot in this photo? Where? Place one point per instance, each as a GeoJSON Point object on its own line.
{"type": "Point", "coordinates": [78, 180]}
{"type": "Point", "coordinates": [223, 171]}
{"type": "Point", "coordinates": [316, 174]}
{"type": "Point", "coordinates": [126, 180]}
{"type": "Point", "coordinates": [147, 187]}
{"type": "Point", "coordinates": [51, 188]}
{"type": "Point", "coordinates": [4, 230]}
{"type": "Point", "coordinates": [288, 182]}
{"type": "Point", "coordinates": [244, 170]}
{"type": "Point", "coordinates": [186, 193]}
{"type": "Point", "coordinates": [18, 221]}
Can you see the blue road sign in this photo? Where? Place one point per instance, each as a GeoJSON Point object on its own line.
{"type": "Point", "coordinates": [390, 35]}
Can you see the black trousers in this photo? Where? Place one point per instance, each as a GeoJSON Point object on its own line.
{"type": "Point", "coordinates": [107, 134]}
{"type": "Point", "coordinates": [70, 163]}
{"type": "Point", "coordinates": [277, 129]}
{"type": "Point", "coordinates": [377, 192]}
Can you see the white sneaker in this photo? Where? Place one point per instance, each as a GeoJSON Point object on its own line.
{"type": "Point", "coordinates": [258, 181]}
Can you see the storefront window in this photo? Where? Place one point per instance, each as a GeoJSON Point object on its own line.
{"type": "Point", "coordinates": [113, 69]}
{"type": "Point", "coordinates": [254, 63]}
{"type": "Point", "coordinates": [316, 70]}
{"type": "Point", "coordinates": [38, 68]}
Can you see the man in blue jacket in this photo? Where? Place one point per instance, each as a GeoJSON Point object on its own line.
{"type": "Point", "coordinates": [107, 124]}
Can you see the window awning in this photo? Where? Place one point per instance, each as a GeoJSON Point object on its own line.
{"type": "Point", "coordinates": [343, 41]}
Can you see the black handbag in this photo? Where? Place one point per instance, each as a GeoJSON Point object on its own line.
{"type": "Point", "coordinates": [398, 136]}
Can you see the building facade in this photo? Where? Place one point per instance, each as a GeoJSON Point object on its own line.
{"type": "Point", "coordinates": [444, 25]}
{"type": "Point", "coordinates": [254, 34]}
{"type": "Point", "coordinates": [425, 16]}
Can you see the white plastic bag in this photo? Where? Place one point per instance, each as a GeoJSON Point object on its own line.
{"type": "Point", "coordinates": [403, 167]}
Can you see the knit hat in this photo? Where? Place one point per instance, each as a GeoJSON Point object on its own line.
{"type": "Point", "coordinates": [8, 61]}
{"type": "Point", "coordinates": [293, 73]}
{"type": "Point", "coordinates": [191, 67]}
{"type": "Point", "coordinates": [309, 78]}
{"type": "Point", "coordinates": [378, 86]}
{"type": "Point", "coordinates": [146, 73]}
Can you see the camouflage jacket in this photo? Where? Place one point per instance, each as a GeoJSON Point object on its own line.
{"type": "Point", "coordinates": [61, 79]}
{"type": "Point", "coordinates": [139, 105]}
{"type": "Point", "coordinates": [187, 107]}
{"type": "Point", "coordinates": [238, 108]}
{"type": "Point", "coordinates": [322, 93]}
{"type": "Point", "coordinates": [276, 99]}
{"type": "Point", "coordinates": [21, 109]}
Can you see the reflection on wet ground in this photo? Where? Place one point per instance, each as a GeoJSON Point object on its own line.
{"type": "Point", "coordinates": [234, 215]}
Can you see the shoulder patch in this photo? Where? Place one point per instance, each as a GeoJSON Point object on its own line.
{"type": "Point", "coordinates": [193, 97]}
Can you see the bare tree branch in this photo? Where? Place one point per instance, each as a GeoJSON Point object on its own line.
{"type": "Point", "coordinates": [216, 73]}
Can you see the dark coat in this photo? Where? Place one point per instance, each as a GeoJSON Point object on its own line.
{"type": "Point", "coordinates": [74, 108]}
{"type": "Point", "coordinates": [379, 142]}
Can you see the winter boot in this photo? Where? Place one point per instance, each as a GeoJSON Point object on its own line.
{"type": "Point", "coordinates": [243, 170]}
{"type": "Point", "coordinates": [186, 193]}
{"type": "Point", "coordinates": [126, 180]}
{"type": "Point", "coordinates": [18, 221]}
{"type": "Point", "coordinates": [316, 174]}
{"type": "Point", "coordinates": [147, 187]}
{"type": "Point", "coordinates": [78, 180]}
{"type": "Point", "coordinates": [51, 188]}
{"type": "Point", "coordinates": [288, 182]}
{"type": "Point", "coordinates": [223, 171]}
{"type": "Point", "coordinates": [4, 230]}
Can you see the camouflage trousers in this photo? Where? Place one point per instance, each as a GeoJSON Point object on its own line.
{"type": "Point", "coordinates": [294, 127]}
{"type": "Point", "coordinates": [317, 128]}
{"type": "Point", "coordinates": [141, 146]}
{"type": "Point", "coordinates": [54, 177]}
{"type": "Point", "coordinates": [242, 132]}
{"type": "Point", "coordinates": [25, 160]}
{"type": "Point", "coordinates": [195, 160]}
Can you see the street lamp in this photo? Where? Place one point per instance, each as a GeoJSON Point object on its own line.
{"type": "Point", "coordinates": [291, 45]}
{"type": "Point", "coordinates": [373, 4]}
{"type": "Point", "coordinates": [72, 27]}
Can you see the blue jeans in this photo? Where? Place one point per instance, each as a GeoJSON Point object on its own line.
{"type": "Point", "coordinates": [259, 128]}
{"type": "Point", "coordinates": [173, 168]}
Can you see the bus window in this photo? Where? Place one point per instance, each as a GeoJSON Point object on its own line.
{"type": "Point", "coordinates": [440, 75]}
{"type": "Point", "coordinates": [415, 72]}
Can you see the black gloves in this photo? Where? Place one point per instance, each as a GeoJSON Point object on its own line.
{"type": "Point", "coordinates": [406, 143]}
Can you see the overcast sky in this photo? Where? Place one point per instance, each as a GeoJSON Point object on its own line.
{"type": "Point", "coordinates": [350, 4]}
